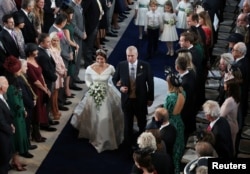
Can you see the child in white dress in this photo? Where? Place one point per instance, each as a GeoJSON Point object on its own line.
{"type": "Point", "coordinates": [169, 33]}
{"type": "Point", "coordinates": [141, 8]}
{"type": "Point", "coordinates": [183, 7]}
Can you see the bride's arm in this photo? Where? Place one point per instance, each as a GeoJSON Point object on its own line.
{"type": "Point", "coordinates": [88, 79]}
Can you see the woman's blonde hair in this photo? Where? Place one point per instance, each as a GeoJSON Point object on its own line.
{"type": "Point", "coordinates": [54, 35]}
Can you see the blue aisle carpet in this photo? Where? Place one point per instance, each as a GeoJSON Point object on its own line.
{"type": "Point", "coordinates": [70, 155]}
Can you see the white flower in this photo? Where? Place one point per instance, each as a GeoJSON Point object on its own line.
{"type": "Point", "coordinates": [98, 91]}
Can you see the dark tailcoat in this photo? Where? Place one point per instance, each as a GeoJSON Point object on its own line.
{"type": "Point", "coordinates": [168, 135]}
{"type": "Point", "coordinates": [144, 83]}
{"type": "Point", "coordinates": [9, 44]}
{"type": "Point", "coordinates": [29, 32]}
{"type": "Point", "coordinates": [48, 66]}
{"type": "Point", "coordinates": [223, 139]}
{"type": "Point", "coordinates": [188, 111]}
{"type": "Point", "coordinates": [6, 119]}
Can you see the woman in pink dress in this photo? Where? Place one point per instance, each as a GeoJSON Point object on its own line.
{"type": "Point", "coordinates": [229, 108]}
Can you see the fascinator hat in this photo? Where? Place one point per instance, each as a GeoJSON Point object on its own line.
{"type": "Point", "coordinates": [233, 74]}
{"type": "Point", "coordinates": [174, 78]}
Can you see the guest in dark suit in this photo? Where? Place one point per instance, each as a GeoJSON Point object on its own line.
{"type": "Point", "coordinates": [167, 130]}
{"type": "Point", "coordinates": [29, 32]}
{"type": "Point", "coordinates": [79, 34]}
{"type": "Point", "coordinates": [6, 128]}
{"type": "Point", "coordinates": [8, 38]}
{"type": "Point", "coordinates": [239, 51]}
{"type": "Point", "coordinates": [219, 126]}
{"type": "Point", "coordinates": [193, 20]}
{"type": "Point", "coordinates": [51, 8]}
{"type": "Point", "coordinates": [48, 66]}
{"type": "Point", "coordinates": [188, 83]}
{"type": "Point", "coordinates": [135, 81]}
{"type": "Point", "coordinates": [187, 41]}
{"type": "Point", "coordinates": [93, 13]}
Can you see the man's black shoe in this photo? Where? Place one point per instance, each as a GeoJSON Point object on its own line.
{"type": "Point", "coordinates": [114, 31]}
{"type": "Point", "coordinates": [128, 9]}
{"type": "Point", "coordinates": [67, 103]}
{"type": "Point", "coordinates": [79, 81]}
{"type": "Point", "coordinates": [105, 40]}
{"type": "Point", "coordinates": [53, 122]}
{"type": "Point", "coordinates": [32, 147]}
{"type": "Point", "coordinates": [111, 34]}
{"type": "Point", "coordinates": [76, 88]}
{"type": "Point", "coordinates": [63, 108]}
{"type": "Point", "coordinates": [125, 13]}
{"type": "Point", "coordinates": [26, 155]}
{"type": "Point", "coordinates": [47, 128]}
{"type": "Point", "coordinates": [122, 16]}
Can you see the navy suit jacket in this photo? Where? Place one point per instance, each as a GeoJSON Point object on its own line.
{"type": "Point", "coordinates": [9, 44]}
{"type": "Point", "coordinates": [144, 83]}
{"type": "Point", "coordinates": [6, 119]}
{"type": "Point", "coordinates": [223, 139]}
{"type": "Point", "coordinates": [48, 66]}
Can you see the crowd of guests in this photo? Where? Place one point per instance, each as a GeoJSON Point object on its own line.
{"type": "Point", "coordinates": [43, 43]}
{"type": "Point", "coordinates": [42, 46]}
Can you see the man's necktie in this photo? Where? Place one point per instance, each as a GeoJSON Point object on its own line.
{"type": "Point", "coordinates": [132, 72]}
{"type": "Point", "coordinates": [209, 128]}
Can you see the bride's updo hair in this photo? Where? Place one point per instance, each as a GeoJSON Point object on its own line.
{"type": "Point", "coordinates": [101, 52]}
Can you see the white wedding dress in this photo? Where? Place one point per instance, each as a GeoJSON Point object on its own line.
{"type": "Point", "coordinates": [103, 126]}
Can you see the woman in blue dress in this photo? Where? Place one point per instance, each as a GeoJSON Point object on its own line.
{"type": "Point", "coordinates": [174, 103]}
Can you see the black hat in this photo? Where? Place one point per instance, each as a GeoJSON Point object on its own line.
{"type": "Point", "coordinates": [29, 48]}
{"type": "Point", "coordinates": [18, 19]}
{"type": "Point", "coordinates": [235, 38]}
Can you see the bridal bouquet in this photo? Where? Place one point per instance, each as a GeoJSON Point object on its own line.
{"type": "Point", "coordinates": [98, 91]}
{"type": "Point", "coordinates": [171, 22]}
{"type": "Point", "coordinates": [187, 11]}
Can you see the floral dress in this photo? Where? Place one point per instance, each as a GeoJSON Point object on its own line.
{"type": "Point", "coordinates": [99, 116]}
{"type": "Point", "coordinates": [177, 122]}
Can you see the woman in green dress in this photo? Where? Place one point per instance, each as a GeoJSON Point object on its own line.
{"type": "Point", "coordinates": [174, 103]}
{"type": "Point", "coordinates": [15, 102]}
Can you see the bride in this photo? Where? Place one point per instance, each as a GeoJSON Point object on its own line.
{"type": "Point", "coordinates": [99, 117]}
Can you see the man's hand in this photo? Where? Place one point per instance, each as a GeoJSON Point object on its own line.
{"type": "Point", "coordinates": [124, 89]}
{"type": "Point", "coordinates": [150, 103]}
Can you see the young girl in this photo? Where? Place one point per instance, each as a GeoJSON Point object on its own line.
{"type": "Point", "coordinates": [141, 8]}
{"type": "Point", "coordinates": [183, 7]}
{"type": "Point", "coordinates": [153, 25]}
{"type": "Point", "coordinates": [169, 33]}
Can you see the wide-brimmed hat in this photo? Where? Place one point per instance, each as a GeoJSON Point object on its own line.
{"type": "Point", "coordinates": [235, 38]}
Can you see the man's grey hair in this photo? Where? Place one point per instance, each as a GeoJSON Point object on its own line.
{"type": "Point", "coordinates": [241, 46]}
{"type": "Point", "coordinates": [211, 108]}
{"type": "Point", "coordinates": [147, 140]}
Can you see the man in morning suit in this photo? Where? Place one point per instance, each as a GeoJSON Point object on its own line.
{"type": "Point", "coordinates": [188, 83]}
{"type": "Point", "coordinates": [220, 128]}
{"type": "Point", "coordinates": [93, 12]}
{"type": "Point", "coordinates": [239, 53]}
{"type": "Point", "coordinates": [167, 130]}
{"type": "Point", "coordinates": [6, 128]}
{"type": "Point", "coordinates": [187, 41]}
{"type": "Point", "coordinates": [29, 32]}
{"type": "Point", "coordinates": [8, 38]}
{"type": "Point", "coordinates": [79, 34]}
{"type": "Point", "coordinates": [134, 80]}
{"type": "Point", "coordinates": [48, 66]}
